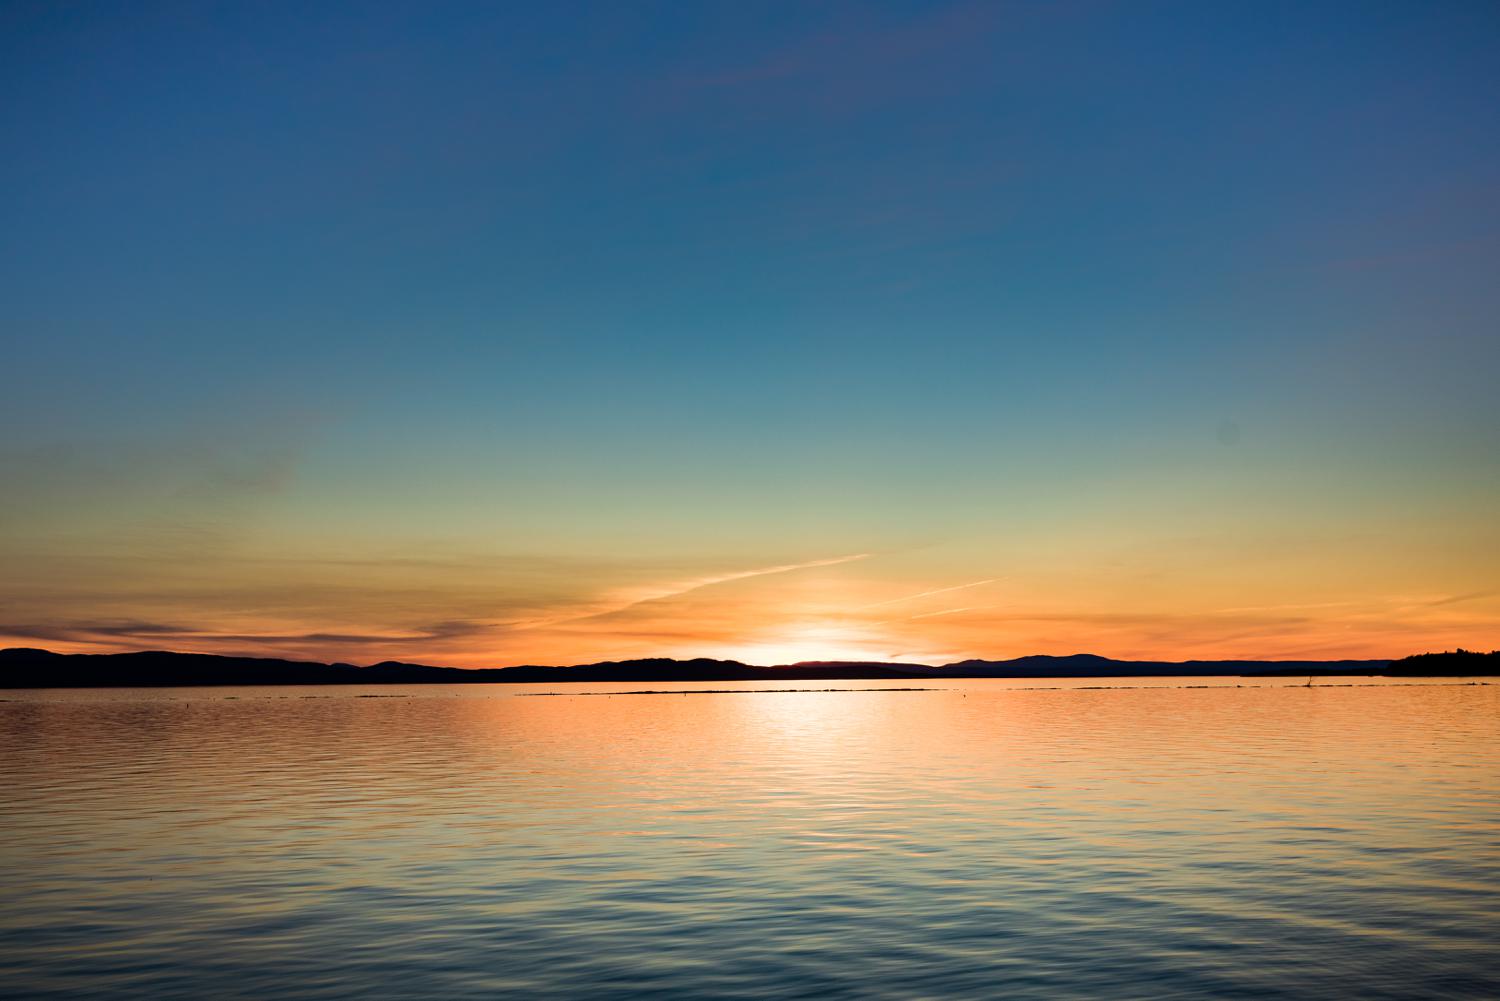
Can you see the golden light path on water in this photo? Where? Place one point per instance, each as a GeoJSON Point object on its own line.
{"type": "Point", "coordinates": [1034, 840]}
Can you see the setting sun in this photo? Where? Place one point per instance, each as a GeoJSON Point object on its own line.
{"type": "Point", "coordinates": [814, 642]}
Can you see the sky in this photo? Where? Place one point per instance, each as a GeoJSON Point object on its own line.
{"type": "Point", "coordinates": [488, 334]}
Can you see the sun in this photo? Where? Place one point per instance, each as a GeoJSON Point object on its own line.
{"type": "Point", "coordinates": [820, 641]}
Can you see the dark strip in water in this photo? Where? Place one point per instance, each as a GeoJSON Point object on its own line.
{"type": "Point", "coordinates": [1054, 688]}
{"type": "Point", "coordinates": [732, 691]}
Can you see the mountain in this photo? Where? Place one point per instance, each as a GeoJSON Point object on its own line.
{"type": "Point", "coordinates": [30, 668]}
{"type": "Point", "coordinates": [1088, 665]}
{"type": "Point", "coordinates": [1457, 664]}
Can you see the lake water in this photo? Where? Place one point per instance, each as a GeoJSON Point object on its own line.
{"type": "Point", "coordinates": [1015, 839]}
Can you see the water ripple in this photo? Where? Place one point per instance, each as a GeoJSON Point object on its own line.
{"type": "Point", "coordinates": [995, 839]}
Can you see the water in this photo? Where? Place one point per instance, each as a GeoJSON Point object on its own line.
{"type": "Point", "coordinates": [996, 839]}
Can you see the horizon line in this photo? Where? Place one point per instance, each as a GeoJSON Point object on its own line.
{"type": "Point", "coordinates": [723, 660]}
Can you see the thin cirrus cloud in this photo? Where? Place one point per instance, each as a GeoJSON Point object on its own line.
{"type": "Point", "coordinates": [941, 590]}
{"type": "Point", "coordinates": [636, 597]}
{"type": "Point", "coordinates": [849, 56]}
{"type": "Point", "coordinates": [949, 611]}
{"type": "Point", "coordinates": [106, 634]}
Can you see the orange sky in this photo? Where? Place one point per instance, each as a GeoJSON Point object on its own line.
{"type": "Point", "coordinates": [934, 600]}
{"type": "Point", "coordinates": [551, 334]}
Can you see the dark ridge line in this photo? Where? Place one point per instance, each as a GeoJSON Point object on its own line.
{"type": "Point", "coordinates": [32, 668]}
{"type": "Point", "coordinates": [821, 691]}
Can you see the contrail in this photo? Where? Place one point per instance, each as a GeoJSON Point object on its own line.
{"type": "Point", "coordinates": [948, 611]}
{"type": "Point", "coordinates": [672, 590]}
{"type": "Point", "coordinates": [941, 590]}
{"type": "Point", "coordinates": [1455, 599]}
{"type": "Point", "coordinates": [1281, 608]}
{"type": "Point", "coordinates": [681, 587]}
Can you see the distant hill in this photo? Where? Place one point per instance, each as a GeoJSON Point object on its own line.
{"type": "Point", "coordinates": [1457, 664]}
{"type": "Point", "coordinates": [30, 668]}
{"type": "Point", "coordinates": [1088, 665]}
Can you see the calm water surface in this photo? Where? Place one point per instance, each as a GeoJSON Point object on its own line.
{"type": "Point", "coordinates": [995, 839]}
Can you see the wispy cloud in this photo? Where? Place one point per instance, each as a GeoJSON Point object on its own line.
{"type": "Point", "coordinates": [640, 596]}
{"type": "Point", "coordinates": [941, 590]}
{"type": "Point", "coordinates": [1455, 599]}
{"type": "Point", "coordinates": [1283, 608]}
{"type": "Point", "coordinates": [851, 55]}
{"type": "Point", "coordinates": [1402, 603]}
{"type": "Point", "coordinates": [949, 611]}
{"type": "Point", "coordinates": [231, 641]}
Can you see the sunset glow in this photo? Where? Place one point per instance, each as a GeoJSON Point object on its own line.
{"type": "Point", "coordinates": [890, 332]}
{"type": "Point", "coordinates": [884, 607]}
{"type": "Point", "coordinates": [665, 500]}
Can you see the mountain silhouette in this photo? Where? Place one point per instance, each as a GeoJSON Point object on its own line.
{"type": "Point", "coordinates": [1458, 663]}
{"type": "Point", "coordinates": [23, 667]}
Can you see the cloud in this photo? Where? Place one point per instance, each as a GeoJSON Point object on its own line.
{"type": "Point", "coordinates": [941, 590]}
{"type": "Point", "coordinates": [662, 592]}
{"type": "Point", "coordinates": [109, 634]}
{"type": "Point", "coordinates": [949, 611]}
{"type": "Point", "coordinates": [1283, 608]}
{"type": "Point", "coordinates": [851, 56]}
{"type": "Point", "coordinates": [1455, 599]}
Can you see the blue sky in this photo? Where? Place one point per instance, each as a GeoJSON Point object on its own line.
{"type": "Point", "coordinates": [677, 291]}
